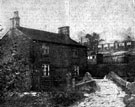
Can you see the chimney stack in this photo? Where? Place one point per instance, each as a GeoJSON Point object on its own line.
{"type": "Point", "coordinates": [15, 21]}
{"type": "Point", "coordinates": [64, 30]}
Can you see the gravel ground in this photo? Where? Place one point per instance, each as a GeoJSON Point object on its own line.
{"type": "Point", "coordinates": [110, 95]}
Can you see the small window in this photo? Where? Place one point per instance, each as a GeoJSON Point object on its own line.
{"type": "Point", "coordinates": [45, 49]}
{"type": "Point", "coordinates": [76, 70]}
{"type": "Point", "coordinates": [89, 57]}
{"type": "Point", "coordinates": [75, 53]}
{"type": "Point", "coordinates": [128, 43]}
{"type": "Point", "coordinates": [121, 44]}
{"type": "Point", "coordinates": [111, 45]}
{"type": "Point", "coordinates": [105, 45]}
{"type": "Point", "coordinates": [46, 69]}
{"type": "Point", "coordinates": [99, 46]}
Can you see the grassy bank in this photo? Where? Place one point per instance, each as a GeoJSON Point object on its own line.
{"type": "Point", "coordinates": [42, 99]}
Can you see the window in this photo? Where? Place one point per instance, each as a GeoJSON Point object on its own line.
{"type": "Point", "coordinates": [45, 49]}
{"type": "Point", "coordinates": [121, 44]}
{"type": "Point", "coordinates": [128, 43]}
{"type": "Point", "coordinates": [46, 69]}
{"type": "Point", "coordinates": [75, 53]}
{"type": "Point", "coordinates": [106, 46]}
{"type": "Point", "coordinates": [90, 57]}
{"type": "Point", "coordinates": [111, 45]}
{"type": "Point", "coordinates": [99, 46]}
{"type": "Point", "coordinates": [76, 70]}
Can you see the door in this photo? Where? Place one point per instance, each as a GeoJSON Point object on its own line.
{"type": "Point", "coordinates": [36, 79]}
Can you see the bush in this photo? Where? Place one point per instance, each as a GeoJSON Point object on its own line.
{"type": "Point", "coordinates": [66, 98]}
{"type": "Point", "coordinates": [2, 86]}
{"type": "Point", "coordinates": [129, 101]}
{"type": "Point", "coordinates": [11, 80]}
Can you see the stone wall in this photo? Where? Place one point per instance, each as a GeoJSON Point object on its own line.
{"type": "Point", "coordinates": [60, 58]}
{"type": "Point", "coordinates": [26, 56]}
{"type": "Point", "coordinates": [125, 71]}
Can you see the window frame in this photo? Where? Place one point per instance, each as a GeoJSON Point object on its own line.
{"type": "Point", "coordinates": [76, 70]}
{"type": "Point", "coordinates": [46, 70]}
{"type": "Point", "coordinates": [45, 49]}
{"type": "Point", "coordinates": [129, 43]}
{"type": "Point", "coordinates": [121, 44]}
{"type": "Point", "coordinates": [75, 53]}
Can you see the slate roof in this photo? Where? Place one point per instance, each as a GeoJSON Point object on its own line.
{"type": "Point", "coordinates": [48, 36]}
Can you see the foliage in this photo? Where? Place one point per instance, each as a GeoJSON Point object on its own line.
{"type": "Point", "coordinates": [94, 40]}
{"type": "Point", "coordinates": [16, 76]}
{"type": "Point", "coordinates": [65, 99]}
{"type": "Point", "coordinates": [129, 100]}
{"type": "Point", "coordinates": [131, 69]}
{"type": "Point", "coordinates": [14, 62]}
{"type": "Point", "coordinates": [43, 99]}
{"type": "Point", "coordinates": [12, 80]}
{"type": "Point", "coordinates": [2, 85]}
{"type": "Point", "coordinates": [28, 100]}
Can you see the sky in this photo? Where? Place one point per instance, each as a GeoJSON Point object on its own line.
{"type": "Point", "coordinates": [112, 19]}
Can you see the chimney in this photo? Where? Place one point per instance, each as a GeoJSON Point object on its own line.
{"type": "Point", "coordinates": [64, 30]}
{"type": "Point", "coordinates": [15, 21]}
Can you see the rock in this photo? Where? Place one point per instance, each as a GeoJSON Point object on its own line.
{"type": "Point", "coordinates": [131, 87]}
{"type": "Point", "coordinates": [87, 77]}
{"type": "Point", "coordinates": [117, 79]}
{"type": "Point", "coordinates": [88, 84]}
{"type": "Point", "coordinates": [129, 100]}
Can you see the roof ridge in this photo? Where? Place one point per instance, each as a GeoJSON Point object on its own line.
{"type": "Point", "coordinates": [40, 35]}
{"type": "Point", "coordinates": [37, 30]}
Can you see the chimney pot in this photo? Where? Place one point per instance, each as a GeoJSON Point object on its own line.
{"type": "Point", "coordinates": [15, 21]}
{"type": "Point", "coordinates": [16, 14]}
{"type": "Point", "coordinates": [64, 30]}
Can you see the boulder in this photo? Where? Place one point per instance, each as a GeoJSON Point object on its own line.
{"type": "Point", "coordinates": [131, 87]}
{"type": "Point", "coordinates": [128, 85]}
{"type": "Point", "coordinates": [87, 77]}
{"type": "Point", "coordinates": [88, 84]}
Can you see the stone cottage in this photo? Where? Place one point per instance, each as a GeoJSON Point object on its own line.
{"type": "Point", "coordinates": [45, 56]}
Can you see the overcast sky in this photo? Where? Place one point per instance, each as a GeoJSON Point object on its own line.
{"type": "Point", "coordinates": [112, 19]}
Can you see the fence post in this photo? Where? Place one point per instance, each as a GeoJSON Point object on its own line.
{"type": "Point", "coordinates": [73, 84]}
{"type": "Point", "coordinates": [68, 81]}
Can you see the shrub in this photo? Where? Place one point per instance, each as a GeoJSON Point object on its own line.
{"type": "Point", "coordinates": [2, 86]}
{"type": "Point", "coordinates": [11, 80]}
{"type": "Point", "coordinates": [66, 98]}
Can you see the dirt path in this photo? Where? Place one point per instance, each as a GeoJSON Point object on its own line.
{"type": "Point", "coordinates": [110, 95]}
